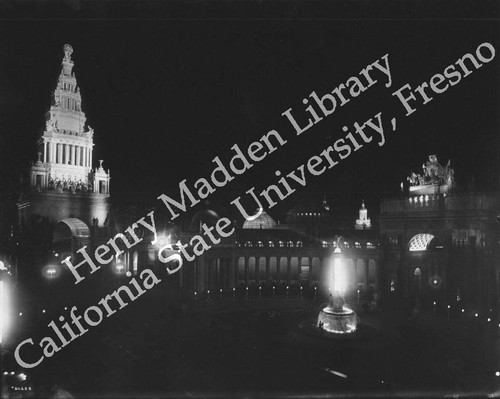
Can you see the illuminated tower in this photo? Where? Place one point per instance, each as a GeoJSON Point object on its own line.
{"type": "Point", "coordinates": [63, 183]}
{"type": "Point", "coordinates": [364, 221]}
{"type": "Point", "coordinates": [65, 158]}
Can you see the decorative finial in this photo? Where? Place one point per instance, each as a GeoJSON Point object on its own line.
{"type": "Point", "coordinates": [325, 204]}
{"type": "Point", "coordinates": [68, 50]}
{"type": "Point", "coordinates": [100, 163]}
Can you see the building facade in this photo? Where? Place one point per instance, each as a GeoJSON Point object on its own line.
{"type": "Point", "coordinates": [442, 246]}
{"type": "Point", "coordinates": [65, 202]}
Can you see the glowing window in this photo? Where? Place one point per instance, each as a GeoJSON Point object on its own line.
{"type": "Point", "coordinates": [270, 244]}
{"type": "Point", "coordinates": [420, 242]}
{"type": "Point", "coordinates": [135, 262]}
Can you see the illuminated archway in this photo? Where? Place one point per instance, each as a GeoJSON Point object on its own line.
{"type": "Point", "coordinates": [422, 242]}
{"type": "Point", "coordinates": [76, 228]}
{"type": "Point", "coordinates": [69, 234]}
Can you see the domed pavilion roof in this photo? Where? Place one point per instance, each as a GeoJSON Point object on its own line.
{"type": "Point", "coordinates": [263, 221]}
{"type": "Point", "coordinates": [206, 216]}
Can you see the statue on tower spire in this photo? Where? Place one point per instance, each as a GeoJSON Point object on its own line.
{"type": "Point", "coordinates": [68, 50]}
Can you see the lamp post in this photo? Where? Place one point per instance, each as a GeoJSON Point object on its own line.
{"type": "Point", "coordinates": [4, 318]}
{"type": "Point", "coordinates": [51, 273]}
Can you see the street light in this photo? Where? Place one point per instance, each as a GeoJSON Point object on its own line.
{"type": "Point", "coordinates": [51, 272]}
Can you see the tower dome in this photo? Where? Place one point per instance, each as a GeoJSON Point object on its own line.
{"type": "Point", "coordinates": [205, 216]}
{"type": "Point", "coordinates": [263, 221]}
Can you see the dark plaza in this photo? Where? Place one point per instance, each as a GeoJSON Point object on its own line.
{"type": "Point", "coordinates": [240, 212]}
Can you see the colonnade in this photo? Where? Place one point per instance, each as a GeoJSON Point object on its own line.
{"type": "Point", "coordinates": [227, 272]}
{"type": "Point", "coordinates": [67, 154]}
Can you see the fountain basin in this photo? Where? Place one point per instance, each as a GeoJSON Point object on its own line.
{"type": "Point", "coordinates": [338, 319]}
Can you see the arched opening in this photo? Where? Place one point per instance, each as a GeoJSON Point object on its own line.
{"type": "Point", "coordinates": [251, 270]}
{"type": "Point", "coordinates": [70, 234]}
{"type": "Point", "coordinates": [424, 242]}
{"type": "Point", "coordinates": [273, 269]}
{"type": "Point", "coordinates": [262, 269]}
{"type": "Point", "coordinates": [361, 275]}
{"type": "Point", "coordinates": [241, 269]}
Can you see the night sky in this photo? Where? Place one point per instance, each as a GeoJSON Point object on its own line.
{"type": "Point", "coordinates": [167, 94]}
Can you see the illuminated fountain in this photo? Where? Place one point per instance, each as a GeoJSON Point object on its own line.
{"type": "Point", "coordinates": [337, 317]}
{"type": "Point", "coordinates": [336, 320]}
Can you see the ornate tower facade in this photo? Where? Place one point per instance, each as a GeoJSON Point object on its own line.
{"type": "Point", "coordinates": [66, 146]}
{"type": "Point", "coordinates": [63, 183]}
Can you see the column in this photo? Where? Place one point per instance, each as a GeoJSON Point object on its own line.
{"type": "Point", "coordinates": [233, 271]}
{"type": "Point", "coordinates": [66, 154]}
{"type": "Point", "coordinates": [53, 148]}
{"type": "Point", "coordinates": [59, 152]}
{"type": "Point", "coordinates": [257, 269]}
{"type": "Point", "coordinates": [73, 155]}
{"type": "Point", "coordinates": [217, 273]}
{"type": "Point", "coordinates": [84, 154]}
{"type": "Point", "coordinates": [195, 275]}
{"type": "Point", "coordinates": [278, 269]}
{"type": "Point", "coordinates": [90, 157]}
{"type": "Point", "coordinates": [223, 273]}
{"type": "Point", "coordinates": [246, 270]}
{"type": "Point", "coordinates": [44, 151]}
{"type": "Point", "coordinates": [78, 150]}
{"type": "Point", "coordinates": [201, 275]}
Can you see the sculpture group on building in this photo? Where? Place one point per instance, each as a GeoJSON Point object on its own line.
{"type": "Point", "coordinates": [68, 185]}
{"type": "Point", "coordinates": [432, 174]}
